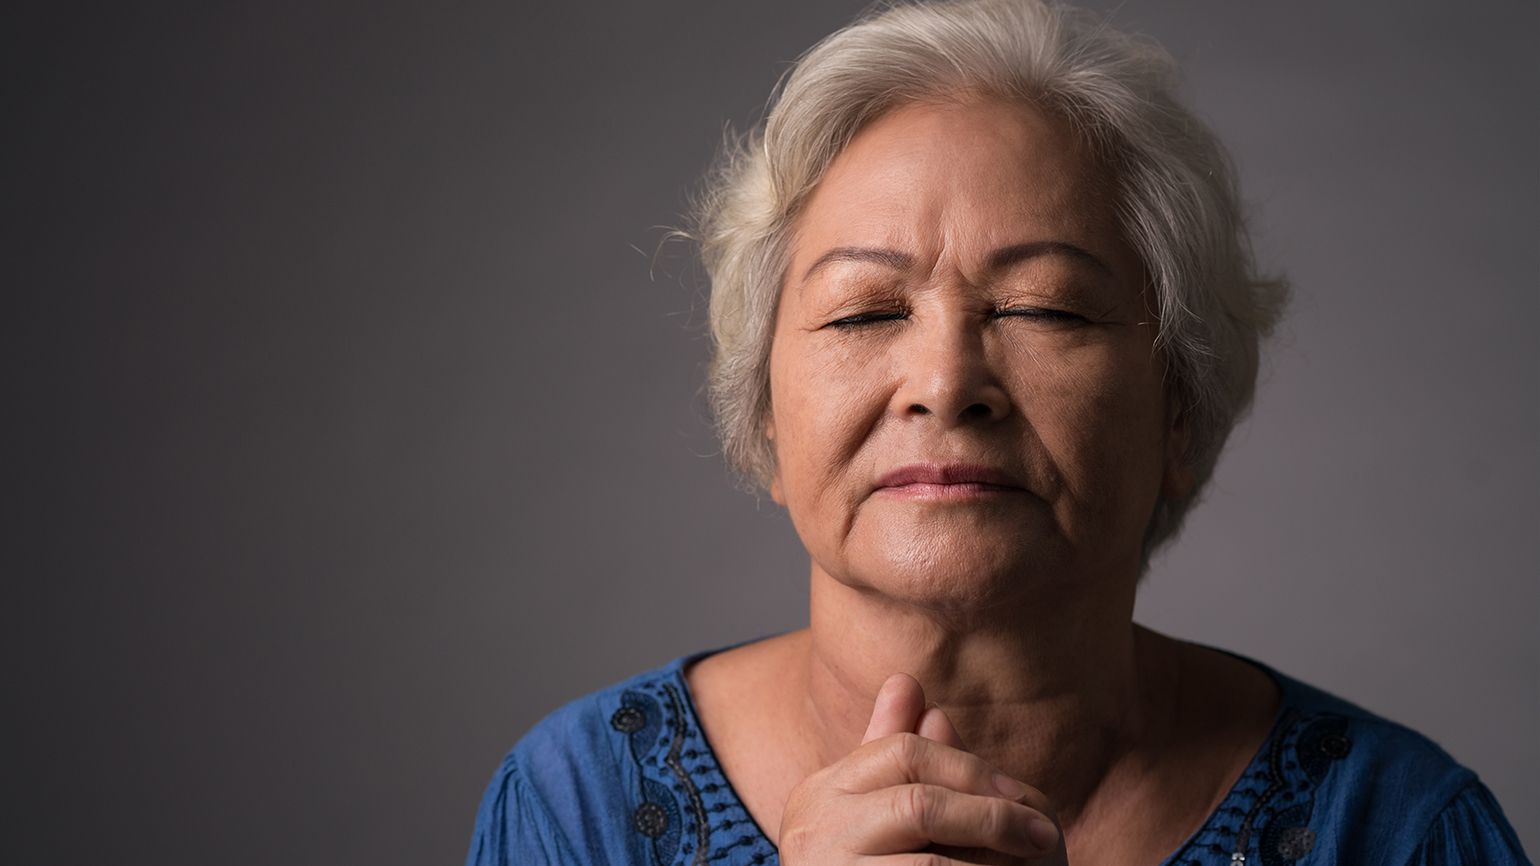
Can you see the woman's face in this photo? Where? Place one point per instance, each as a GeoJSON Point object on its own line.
{"type": "Point", "coordinates": [966, 398]}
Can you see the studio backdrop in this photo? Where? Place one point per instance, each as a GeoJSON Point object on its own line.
{"type": "Point", "coordinates": [354, 416]}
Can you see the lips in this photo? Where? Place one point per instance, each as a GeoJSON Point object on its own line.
{"type": "Point", "coordinates": [950, 478]}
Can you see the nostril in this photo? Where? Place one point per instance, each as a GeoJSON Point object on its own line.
{"type": "Point", "coordinates": [977, 410]}
{"type": "Point", "coordinates": [918, 409]}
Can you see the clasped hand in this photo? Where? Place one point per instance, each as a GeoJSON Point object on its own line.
{"type": "Point", "coordinates": [912, 795]}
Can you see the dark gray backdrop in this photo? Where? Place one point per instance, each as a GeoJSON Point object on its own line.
{"type": "Point", "coordinates": [352, 410]}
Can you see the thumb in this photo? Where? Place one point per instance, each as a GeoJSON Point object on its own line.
{"type": "Point", "coordinates": [935, 725]}
{"type": "Point", "coordinates": [900, 702]}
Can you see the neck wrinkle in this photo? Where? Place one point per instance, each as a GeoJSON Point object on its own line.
{"type": "Point", "coordinates": [1054, 700]}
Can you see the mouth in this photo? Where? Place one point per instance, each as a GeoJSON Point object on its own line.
{"type": "Point", "coordinates": [952, 481]}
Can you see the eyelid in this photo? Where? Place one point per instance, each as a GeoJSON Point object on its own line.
{"type": "Point", "coordinates": [1047, 313]}
{"type": "Point", "coordinates": [870, 318]}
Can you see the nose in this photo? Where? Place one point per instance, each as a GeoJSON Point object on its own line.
{"type": "Point", "coordinates": [946, 374]}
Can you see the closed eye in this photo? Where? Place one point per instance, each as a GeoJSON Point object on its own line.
{"type": "Point", "coordinates": [1042, 314]}
{"type": "Point", "coordinates": [860, 319]}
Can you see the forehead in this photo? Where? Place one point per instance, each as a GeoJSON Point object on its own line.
{"type": "Point", "coordinates": [959, 179]}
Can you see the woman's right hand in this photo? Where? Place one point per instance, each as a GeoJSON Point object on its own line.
{"type": "Point", "coordinates": [910, 795]}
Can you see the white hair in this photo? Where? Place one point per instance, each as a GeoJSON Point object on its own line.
{"type": "Point", "coordinates": [1177, 199]}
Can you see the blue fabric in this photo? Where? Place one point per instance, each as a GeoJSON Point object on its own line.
{"type": "Point", "coordinates": [625, 776]}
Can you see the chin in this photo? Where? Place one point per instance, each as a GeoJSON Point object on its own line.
{"type": "Point", "coordinates": [955, 569]}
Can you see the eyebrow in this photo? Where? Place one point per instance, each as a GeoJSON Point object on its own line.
{"type": "Point", "coordinates": [891, 258]}
{"type": "Point", "coordinates": [999, 260]}
{"type": "Point", "coordinates": [1004, 257]}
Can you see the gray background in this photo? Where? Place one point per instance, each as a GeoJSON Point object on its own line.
{"type": "Point", "coordinates": [352, 409]}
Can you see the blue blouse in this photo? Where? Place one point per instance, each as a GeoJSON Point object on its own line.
{"type": "Point", "coordinates": [625, 776]}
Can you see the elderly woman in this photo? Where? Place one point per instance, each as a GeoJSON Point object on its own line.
{"type": "Point", "coordinates": [984, 314]}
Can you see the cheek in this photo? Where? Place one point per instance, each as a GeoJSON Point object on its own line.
{"type": "Point", "coordinates": [1099, 414]}
{"type": "Point", "coordinates": [823, 404]}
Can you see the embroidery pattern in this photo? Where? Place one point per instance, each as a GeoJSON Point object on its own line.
{"type": "Point", "coordinates": [1288, 836]}
{"type": "Point", "coordinates": [1268, 822]}
{"type": "Point", "coordinates": [697, 807]}
{"type": "Point", "coordinates": [640, 718]}
{"type": "Point", "coordinates": [687, 812]}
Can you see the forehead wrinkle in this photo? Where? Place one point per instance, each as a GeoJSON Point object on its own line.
{"type": "Point", "coordinates": [891, 193]}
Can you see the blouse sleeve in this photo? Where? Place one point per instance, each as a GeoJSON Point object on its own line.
{"type": "Point", "coordinates": [1471, 830]}
{"type": "Point", "coordinates": [514, 827]}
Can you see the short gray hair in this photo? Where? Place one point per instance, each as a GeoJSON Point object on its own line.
{"type": "Point", "coordinates": [1178, 202]}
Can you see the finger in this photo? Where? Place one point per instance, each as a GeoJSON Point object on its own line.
{"type": "Point", "coordinates": [901, 759]}
{"type": "Point", "coordinates": [897, 709]}
{"type": "Point", "coordinates": [977, 856]}
{"type": "Point", "coordinates": [909, 817]}
{"type": "Point", "coordinates": [938, 857]}
{"type": "Point", "coordinates": [934, 725]}
{"type": "Point", "coordinates": [920, 859]}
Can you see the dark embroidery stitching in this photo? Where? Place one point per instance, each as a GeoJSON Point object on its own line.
{"type": "Point", "coordinates": [697, 807]}
{"type": "Point", "coordinates": [1275, 785]}
{"type": "Point", "coordinates": [1295, 842]}
{"type": "Point", "coordinates": [628, 720]}
{"type": "Point", "coordinates": [1281, 809]}
{"type": "Point", "coordinates": [650, 819]}
{"type": "Point", "coordinates": [657, 817]}
{"type": "Point", "coordinates": [1323, 742]}
{"type": "Point", "coordinates": [682, 789]}
{"type": "Point", "coordinates": [1274, 798]}
{"type": "Point", "coordinates": [1286, 837]}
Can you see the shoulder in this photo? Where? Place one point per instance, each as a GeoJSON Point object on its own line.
{"type": "Point", "coordinates": [1372, 754]}
{"type": "Point", "coordinates": [1355, 787]}
{"type": "Point", "coordinates": [621, 775]}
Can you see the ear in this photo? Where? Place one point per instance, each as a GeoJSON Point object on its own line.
{"type": "Point", "coordinates": [1178, 479]}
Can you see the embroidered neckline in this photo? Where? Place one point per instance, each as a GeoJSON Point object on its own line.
{"type": "Point", "coordinates": [693, 815]}
{"type": "Point", "coordinates": [687, 810]}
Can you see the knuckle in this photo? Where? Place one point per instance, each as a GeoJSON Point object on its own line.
{"type": "Point", "coordinates": [999, 819]}
{"type": "Point", "coordinates": [799, 799]}
{"type": "Point", "coordinates": [808, 835]}
{"type": "Point", "coordinates": [793, 840]}
{"type": "Point", "coordinates": [916, 807]}
{"type": "Point", "coordinates": [818, 785]}
{"type": "Point", "coordinates": [907, 749]}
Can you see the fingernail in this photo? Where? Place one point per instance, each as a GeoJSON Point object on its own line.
{"type": "Point", "coordinates": [1042, 833]}
{"type": "Point", "coordinates": [1009, 787]}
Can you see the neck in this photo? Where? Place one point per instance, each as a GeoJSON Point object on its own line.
{"type": "Point", "coordinates": [1054, 691]}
